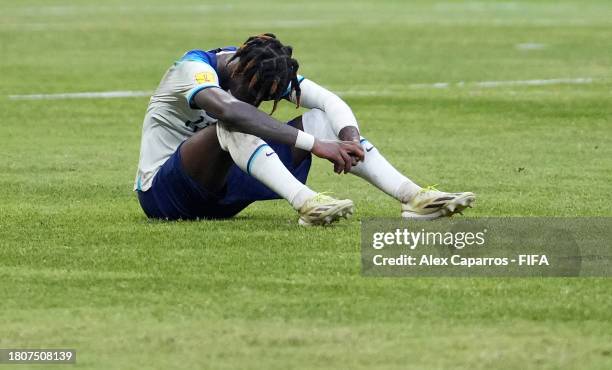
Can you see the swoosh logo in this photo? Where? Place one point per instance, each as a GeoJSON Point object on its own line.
{"type": "Point", "coordinates": [269, 154]}
{"type": "Point", "coordinates": [369, 149]}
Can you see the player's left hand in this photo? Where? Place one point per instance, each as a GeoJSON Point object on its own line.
{"type": "Point", "coordinates": [343, 154]}
{"type": "Point", "coordinates": [351, 133]}
{"type": "Point", "coordinates": [354, 150]}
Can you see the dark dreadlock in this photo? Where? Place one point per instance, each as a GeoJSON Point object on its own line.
{"type": "Point", "coordinates": [267, 64]}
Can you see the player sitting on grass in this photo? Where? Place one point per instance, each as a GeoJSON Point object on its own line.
{"type": "Point", "coordinates": [208, 152]}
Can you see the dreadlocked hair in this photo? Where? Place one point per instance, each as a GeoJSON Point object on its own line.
{"type": "Point", "coordinates": [268, 67]}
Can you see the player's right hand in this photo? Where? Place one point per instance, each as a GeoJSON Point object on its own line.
{"type": "Point", "coordinates": [343, 154]}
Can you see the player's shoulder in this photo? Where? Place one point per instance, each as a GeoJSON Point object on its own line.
{"type": "Point", "coordinates": [206, 56]}
{"type": "Point", "coordinates": [197, 55]}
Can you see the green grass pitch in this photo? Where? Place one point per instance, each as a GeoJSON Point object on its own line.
{"type": "Point", "coordinates": [81, 267]}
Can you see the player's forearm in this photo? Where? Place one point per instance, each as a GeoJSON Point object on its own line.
{"type": "Point", "coordinates": [242, 117]}
{"type": "Point", "coordinates": [246, 118]}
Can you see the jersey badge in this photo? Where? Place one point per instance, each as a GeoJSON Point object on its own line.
{"type": "Point", "coordinates": [205, 77]}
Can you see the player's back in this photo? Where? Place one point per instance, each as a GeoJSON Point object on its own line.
{"type": "Point", "coordinates": [171, 117]}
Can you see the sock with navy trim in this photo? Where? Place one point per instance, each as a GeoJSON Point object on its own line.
{"type": "Point", "coordinates": [375, 169]}
{"type": "Point", "coordinates": [257, 158]}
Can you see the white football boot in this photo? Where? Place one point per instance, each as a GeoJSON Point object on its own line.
{"type": "Point", "coordinates": [324, 210]}
{"type": "Point", "coordinates": [429, 204]}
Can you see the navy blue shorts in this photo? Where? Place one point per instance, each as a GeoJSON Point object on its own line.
{"type": "Point", "coordinates": [175, 195]}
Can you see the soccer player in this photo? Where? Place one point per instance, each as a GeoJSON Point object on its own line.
{"type": "Point", "coordinates": [207, 151]}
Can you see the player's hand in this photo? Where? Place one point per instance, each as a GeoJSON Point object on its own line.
{"type": "Point", "coordinates": [343, 154]}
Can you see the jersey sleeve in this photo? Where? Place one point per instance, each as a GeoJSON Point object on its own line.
{"type": "Point", "coordinates": [314, 96]}
{"type": "Point", "coordinates": [198, 76]}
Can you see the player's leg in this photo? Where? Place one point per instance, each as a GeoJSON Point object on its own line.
{"type": "Point", "coordinates": [374, 169]}
{"type": "Point", "coordinates": [255, 157]}
{"type": "Point", "coordinates": [416, 202]}
{"type": "Point", "coordinates": [298, 155]}
{"type": "Point", "coordinates": [190, 184]}
{"type": "Point", "coordinates": [241, 187]}
{"type": "Point", "coordinates": [204, 160]}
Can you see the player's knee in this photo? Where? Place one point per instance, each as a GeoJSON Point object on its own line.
{"type": "Point", "coordinates": [234, 140]}
{"type": "Point", "coordinates": [315, 116]}
{"type": "Point", "coordinates": [316, 123]}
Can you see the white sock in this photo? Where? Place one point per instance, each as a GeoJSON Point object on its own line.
{"type": "Point", "coordinates": [375, 169]}
{"type": "Point", "coordinates": [257, 158]}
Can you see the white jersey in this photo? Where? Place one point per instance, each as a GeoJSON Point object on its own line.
{"type": "Point", "coordinates": [171, 117]}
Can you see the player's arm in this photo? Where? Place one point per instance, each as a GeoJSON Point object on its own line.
{"type": "Point", "coordinates": [246, 118]}
{"type": "Point", "coordinates": [243, 117]}
{"type": "Point", "coordinates": [340, 115]}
